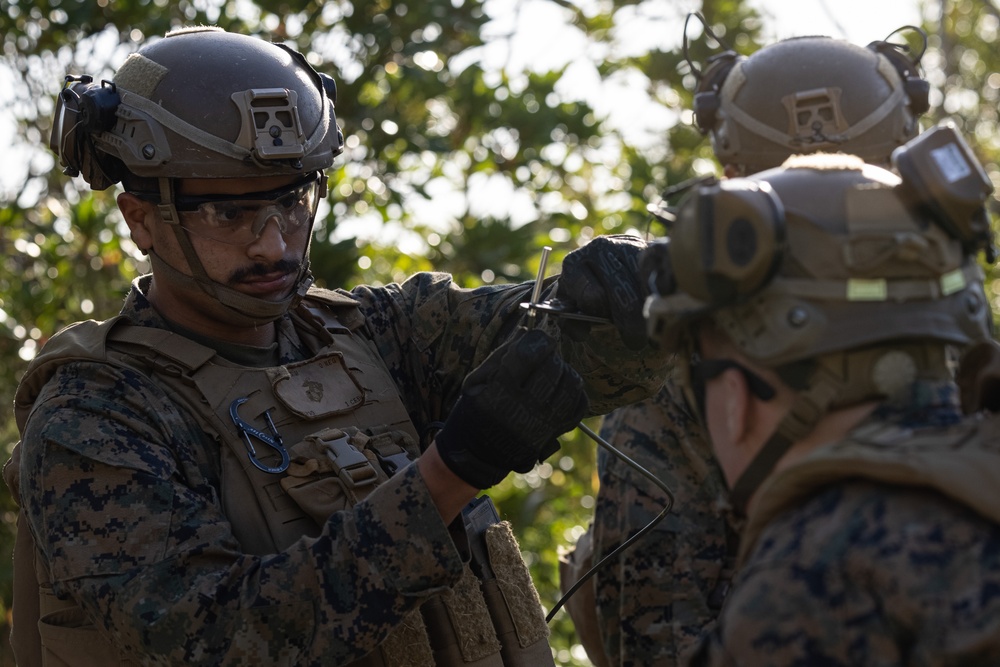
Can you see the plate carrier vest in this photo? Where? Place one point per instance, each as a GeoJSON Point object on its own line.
{"type": "Point", "coordinates": [351, 431]}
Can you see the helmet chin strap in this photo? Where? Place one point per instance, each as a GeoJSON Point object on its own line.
{"type": "Point", "coordinates": [250, 310]}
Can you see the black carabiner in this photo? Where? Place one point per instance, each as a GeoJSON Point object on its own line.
{"type": "Point", "coordinates": [273, 441]}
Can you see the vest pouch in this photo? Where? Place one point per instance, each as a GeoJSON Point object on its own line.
{"type": "Point", "coordinates": [513, 602]}
{"type": "Point", "coordinates": [70, 640]}
{"type": "Point", "coordinates": [331, 471]}
{"type": "Point", "coordinates": [460, 627]}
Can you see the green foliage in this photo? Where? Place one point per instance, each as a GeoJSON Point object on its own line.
{"type": "Point", "coordinates": [964, 71]}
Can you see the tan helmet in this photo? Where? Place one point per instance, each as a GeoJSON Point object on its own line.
{"type": "Point", "coordinates": [800, 260]}
{"type": "Point", "coordinates": [202, 103]}
{"type": "Point", "coordinates": [199, 103]}
{"type": "Point", "coordinates": [849, 281]}
{"type": "Point", "coordinates": [809, 94]}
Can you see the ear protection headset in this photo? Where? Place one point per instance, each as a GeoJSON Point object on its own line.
{"type": "Point", "coordinates": [711, 78]}
{"type": "Point", "coordinates": [917, 89]}
{"type": "Point", "coordinates": [83, 110]}
{"type": "Point", "coordinates": [728, 241]}
{"type": "Point", "coordinates": [942, 177]}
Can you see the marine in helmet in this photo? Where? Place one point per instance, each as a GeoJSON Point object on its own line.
{"type": "Point", "coordinates": [809, 94]}
{"type": "Point", "coordinates": [242, 468]}
{"type": "Point", "coordinates": [819, 307]}
{"type": "Point", "coordinates": [655, 599]}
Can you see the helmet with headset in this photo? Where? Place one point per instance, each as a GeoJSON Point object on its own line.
{"type": "Point", "coordinates": [809, 94]}
{"type": "Point", "coordinates": [199, 103]}
{"type": "Point", "coordinates": [203, 103]}
{"type": "Point", "coordinates": [846, 279]}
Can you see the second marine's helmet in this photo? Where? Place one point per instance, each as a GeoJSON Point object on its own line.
{"type": "Point", "coordinates": [809, 94]}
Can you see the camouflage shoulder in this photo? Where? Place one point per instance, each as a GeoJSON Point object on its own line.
{"type": "Point", "coordinates": [81, 341]}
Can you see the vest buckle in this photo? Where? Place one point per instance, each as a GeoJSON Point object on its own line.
{"type": "Point", "coordinates": [352, 467]}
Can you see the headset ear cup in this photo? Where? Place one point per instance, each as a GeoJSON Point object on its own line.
{"type": "Point", "coordinates": [917, 89]}
{"type": "Point", "coordinates": [728, 241]}
{"type": "Point", "coordinates": [706, 109]}
{"type": "Point", "coordinates": [919, 93]}
{"type": "Point", "coordinates": [706, 95]}
{"type": "Point", "coordinates": [84, 109]}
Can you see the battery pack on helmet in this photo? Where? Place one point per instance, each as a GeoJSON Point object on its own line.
{"type": "Point", "coordinates": [941, 174]}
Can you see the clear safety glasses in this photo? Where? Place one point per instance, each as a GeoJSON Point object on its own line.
{"type": "Point", "coordinates": [241, 219]}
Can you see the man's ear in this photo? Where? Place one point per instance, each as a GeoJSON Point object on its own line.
{"type": "Point", "coordinates": [736, 409]}
{"type": "Point", "coordinates": [138, 216]}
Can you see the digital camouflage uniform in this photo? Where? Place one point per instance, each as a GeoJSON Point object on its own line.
{"type": "Point", "coordinates": [646, 618]}
{"type": "Point", "coordinates": [121, 491]}
{"type": "Point", "coordinates": [893, 558]}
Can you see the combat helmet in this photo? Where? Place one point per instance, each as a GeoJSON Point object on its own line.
{"type": "Point", "coordinates": [847, 280]}
{"type": "Point", "coordinates": [809, 94]}
{"type": "Point", "coordinates": [201, 103]}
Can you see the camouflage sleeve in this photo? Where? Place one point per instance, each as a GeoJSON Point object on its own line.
{"type": "Point", "coordinates": [431, 333]}
{"type": "Point", "coordinates": [866, 574]}
{"type": "Point", "coordinates": [655, 600]}
{"type": "Point", "coordinates": [121, 495]}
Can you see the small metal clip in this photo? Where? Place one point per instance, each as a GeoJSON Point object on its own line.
{"type": "Point", "coordinates": [273, 441]}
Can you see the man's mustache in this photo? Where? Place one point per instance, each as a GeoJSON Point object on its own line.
{"type": "Point", "coordinates": [255, 270]}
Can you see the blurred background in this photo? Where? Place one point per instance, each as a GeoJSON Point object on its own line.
{"type": "Point", "coordinates": [478, 131]}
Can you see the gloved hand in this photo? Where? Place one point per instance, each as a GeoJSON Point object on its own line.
{"type": "Point", "coordinates": [655, 265]}
{"type": "Point", "coordinates": [602, 279]}
{"type": "Point", "coordinates": [512, 408]}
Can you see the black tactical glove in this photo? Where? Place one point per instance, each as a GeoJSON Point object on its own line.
{"type": "Point", "coordinates": [512, 409]}
{"type": "Point", "coordinates": [656, 270]}
{"type": "Point", "coordinates": [602, 279]}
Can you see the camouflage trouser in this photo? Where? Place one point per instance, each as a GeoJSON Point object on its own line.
{"type": "Point", "coordinates": [664, 592]}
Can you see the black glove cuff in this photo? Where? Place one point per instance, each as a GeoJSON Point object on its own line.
{"type": "Point", "coordinates": [452, 443]}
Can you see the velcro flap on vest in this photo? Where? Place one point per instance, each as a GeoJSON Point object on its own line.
{"type": "Point", "coordinates": [515, 583]}
{"type": "Point", "coordinates": [470, 619]}
{"type": "Point", "coordinates": [318, 387]}
{"type": "Point", "coordinates": [407, 644]}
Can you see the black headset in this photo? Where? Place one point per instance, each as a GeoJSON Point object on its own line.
{"type": "Point", "coordinates": [727, 243]}
{"type": "Point", "coordinates": [85, 108]}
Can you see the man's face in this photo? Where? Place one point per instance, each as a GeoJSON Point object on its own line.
{"type": "Point", "coordinates": [250, 234]}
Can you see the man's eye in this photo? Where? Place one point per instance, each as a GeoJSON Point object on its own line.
{"type": "Point", "coordinates": [225, 214]}
{"type": "Point", "coordinates": [289, 201]}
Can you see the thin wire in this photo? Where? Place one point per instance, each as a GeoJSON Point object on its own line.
{"type": "Point", "coordinates": [630, 541]}
{"type": "Point", "coordinates": [833, 18]}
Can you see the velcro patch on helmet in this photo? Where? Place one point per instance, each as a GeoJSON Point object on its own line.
{"type": "Point", "coordinates": [814, 116]}
{"type": "Point", "coordinates": [271, 127]}
{"type": "Point", "coordinates": [140, 75]}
